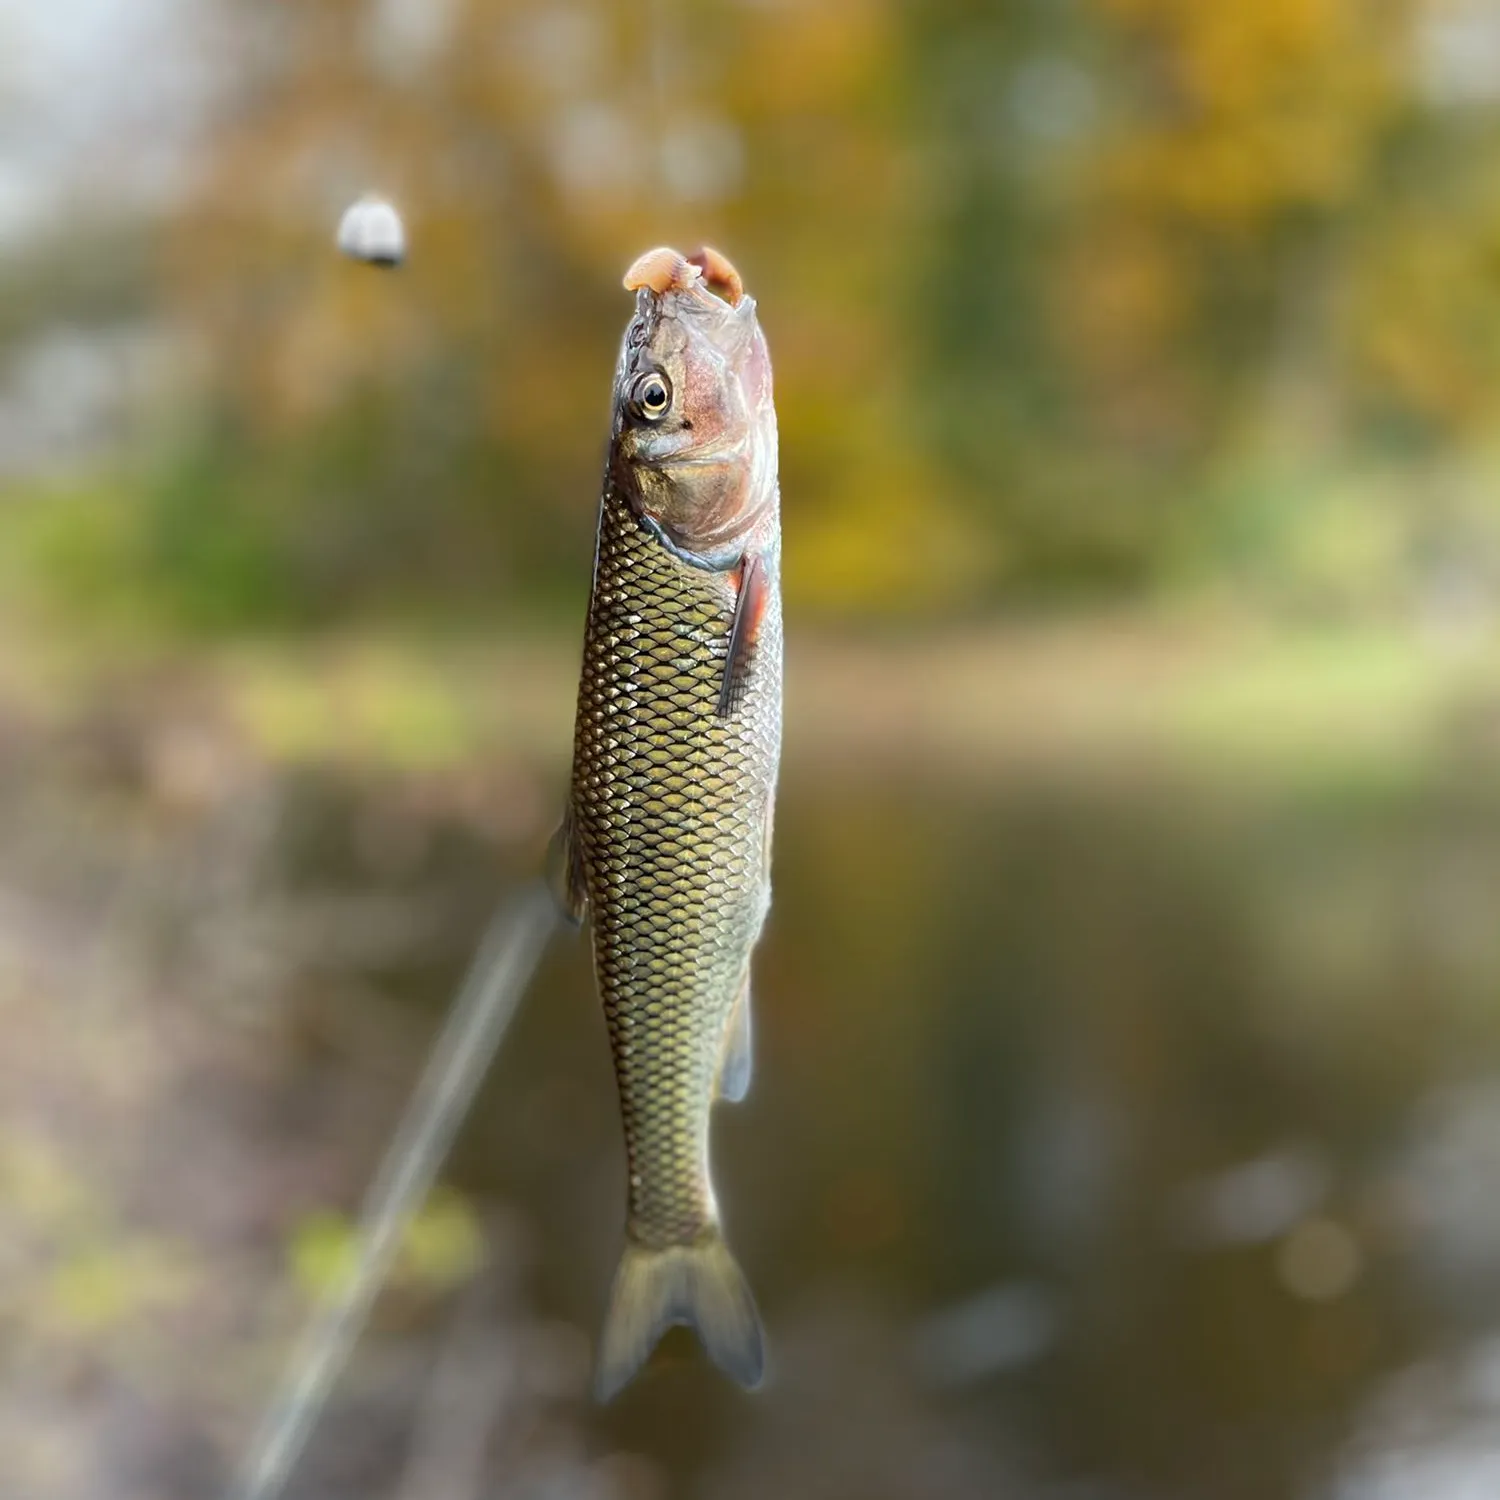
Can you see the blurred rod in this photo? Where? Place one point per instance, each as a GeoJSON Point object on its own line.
{"type": "Point", "coordinates": [507, 958]}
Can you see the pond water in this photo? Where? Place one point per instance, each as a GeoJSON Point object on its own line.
{"type": "Point", "coordinates": [1109, 1138]}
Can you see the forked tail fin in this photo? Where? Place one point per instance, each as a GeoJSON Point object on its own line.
{"type": "Point", "coordinates": [699, 1285]}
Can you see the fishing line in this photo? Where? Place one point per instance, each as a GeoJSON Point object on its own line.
{"type": "Point", "coordinates": [508, 956]}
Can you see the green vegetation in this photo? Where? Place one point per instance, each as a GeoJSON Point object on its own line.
{"type": "Point", "coordinates": [1070, 302]}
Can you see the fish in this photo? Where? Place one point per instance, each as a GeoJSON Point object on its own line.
{"type": "Point", "coordinates": [665, 844]}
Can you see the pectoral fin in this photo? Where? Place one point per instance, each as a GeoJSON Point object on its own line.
{"type": "Point", "coordinates": [744, 633]}
{"type": "Point", "coordinates": [564, 873]}
{"type": "Point", "coordinates": [737, 1058]}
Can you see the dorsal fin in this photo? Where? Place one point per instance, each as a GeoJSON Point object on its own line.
{"type": "Point", "coordinates": [563, 871]}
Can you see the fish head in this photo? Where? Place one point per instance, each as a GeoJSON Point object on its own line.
{"type": "Point", "coordinates": [694, 432]}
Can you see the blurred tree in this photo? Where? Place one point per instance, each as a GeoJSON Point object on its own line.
{"type": "Point", "coordinates": [439, 431]}
{"type": "Point", "coordinates": [1141, 194]}
{"type": "Point", "coordinates": [1043, 284]}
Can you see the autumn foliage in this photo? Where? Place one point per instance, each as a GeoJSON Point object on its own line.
{"type": "Point", "coordinates": [1043, 284]}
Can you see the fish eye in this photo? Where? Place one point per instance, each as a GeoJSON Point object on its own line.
{"type": "Point", "coordinates": [652, 396]}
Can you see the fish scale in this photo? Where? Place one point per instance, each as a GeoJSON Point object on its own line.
{"type": "Point", "coordinates": [671, 803]}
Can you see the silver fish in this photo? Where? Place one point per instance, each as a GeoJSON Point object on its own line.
{"type": "Point", "coordinates": [666, 842]}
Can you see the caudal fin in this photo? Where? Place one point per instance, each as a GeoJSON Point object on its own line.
{"type": "Point", "coordinates": [699, 1285]}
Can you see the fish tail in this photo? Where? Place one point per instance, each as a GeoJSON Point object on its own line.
{"type": "Point", "coordinates": [700, 1285]}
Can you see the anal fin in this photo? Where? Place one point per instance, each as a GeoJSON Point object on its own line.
{"type": "Point", "coordinates": [737, 1059]}
{"type": "Point", "coordinates": [744, 633]}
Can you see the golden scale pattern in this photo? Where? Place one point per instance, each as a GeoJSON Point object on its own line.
{"type": "Point", "coordinates": [670, 803]}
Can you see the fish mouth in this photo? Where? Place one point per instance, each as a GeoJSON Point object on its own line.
{"type": "Point", "coordinates": [702, 294]}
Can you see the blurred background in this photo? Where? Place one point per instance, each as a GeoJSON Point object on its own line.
{"type": "Point", "coordinates": [1127, 1114]}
